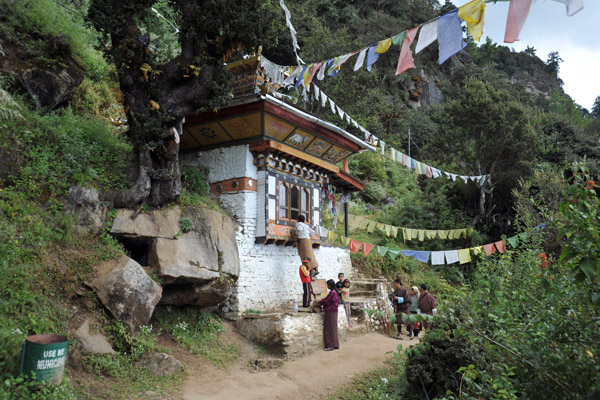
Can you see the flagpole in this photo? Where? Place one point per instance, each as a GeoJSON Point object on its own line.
{"type": "Point", "coordinates": [409, 142]}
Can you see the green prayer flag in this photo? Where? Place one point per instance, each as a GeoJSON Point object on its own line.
{"type": "Point", "coordinates": [382, 250]}
{"type": "Point", "coordinates": [398, 40]}
{"type": "Point", "coordinates": [393, 253]}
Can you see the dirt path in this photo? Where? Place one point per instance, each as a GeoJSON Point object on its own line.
{"type": "Point", "coordinates": [314, 376]}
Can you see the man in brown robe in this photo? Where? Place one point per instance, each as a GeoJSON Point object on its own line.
{"type": "Point", "coordinates": [426, 303]}
{"type": "Point", "coordinates": [402, 302]}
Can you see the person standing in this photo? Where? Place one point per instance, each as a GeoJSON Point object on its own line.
{"type": "Point", "coordinates": [414, 298]}
{"type": "Point", "coordinates": [345, 295]}
{"type": "Point", "coordinates": [340, 284]}
{"type": "Point", "coordinates": [426, 304]}
{"type": "Point", "coordinates": [305, 279]}
{"type": "Point", "coordinates": [330, 329]}
{"type": "Point", "coordinates": [402, 303]}
{"type": "Point", "coordinates": [303, 234]}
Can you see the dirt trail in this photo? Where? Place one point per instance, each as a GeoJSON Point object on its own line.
{"type": "Point", "coordinates": [314, 376]}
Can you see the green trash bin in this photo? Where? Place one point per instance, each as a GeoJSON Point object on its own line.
{"type": "Point", "coordinates": [46, 356]}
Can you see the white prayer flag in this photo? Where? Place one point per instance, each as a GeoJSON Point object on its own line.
{"type": "Point", "coordinates": [332, 105]}
{"type": "Point", "coordinates": [361, 59]}
{"type": "Point", "coordinates": [427, 36]}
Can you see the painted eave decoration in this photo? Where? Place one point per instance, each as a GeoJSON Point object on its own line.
{"type": "Point", "coordinates": [257, 119]}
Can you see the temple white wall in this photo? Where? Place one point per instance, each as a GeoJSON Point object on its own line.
{"type": "Point", "coordinates": [269, 277]}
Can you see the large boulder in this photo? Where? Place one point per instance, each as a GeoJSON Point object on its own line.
{"type": "Point", "coordinates": [126, 291]}
{"type": "Point", "coordinates": [155, 224]}
{"type": "Point", "coordinates": [207, 252]}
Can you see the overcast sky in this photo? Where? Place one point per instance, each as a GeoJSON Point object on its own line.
{"type": "Point", "coordinates": [548, 28]}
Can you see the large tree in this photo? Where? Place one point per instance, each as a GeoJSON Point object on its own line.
{"type": "Point", "coordinates": [158, 95]}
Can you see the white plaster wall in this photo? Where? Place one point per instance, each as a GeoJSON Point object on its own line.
{"type": "Point", "coordinates": [269, 277]}
{"type": "Point", "coordinates": [224, 162]}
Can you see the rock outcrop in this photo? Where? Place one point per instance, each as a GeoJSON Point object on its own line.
{"type": "Point", "coordinates": [197, 267]}
{"type": "Point", "coordinates": [126, 291]}
{"type": "Point", "coordinates": [84, 205]}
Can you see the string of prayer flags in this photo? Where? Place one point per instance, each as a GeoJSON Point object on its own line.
{"type": "Point", "coordinates": [429, 171]}
{"type": "Point", "coordinates": [449, 36]}
{"type": "Point", "coordinates": [473, 14]}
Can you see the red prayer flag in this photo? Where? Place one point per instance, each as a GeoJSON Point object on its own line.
{"type": "Point", "coordinates": [428, 172]}
{"type": "Point", "coordinates": [500, 246]}
{"type": "Point", "coordinates": [367, 248]}
{"type": "Point", "coordinates": [489, 249]}
{"type": "Point", "coordinates": [518, 10]}
{"type": "Point", "coordinates": [405, 61]}
{"type": "Point", "coordinates": [355, 246]}
{"type": "Point", "coordinates": [314, 71]}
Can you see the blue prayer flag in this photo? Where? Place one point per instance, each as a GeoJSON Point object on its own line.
{"type": "Point", "coordinates": [450, 36]}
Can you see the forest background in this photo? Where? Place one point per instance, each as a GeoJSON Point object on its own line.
{"type": "Point", "coordinates": [518, 325]}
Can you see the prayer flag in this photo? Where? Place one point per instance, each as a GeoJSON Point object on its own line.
{"type": "Point", "coordinates": [398, 40]}
{"type": "Point", "coordinates": [332, 105]}
{"type": "Point", "coordinates": [392, 253]}
{"type": "Point", "coordinates": [395, 231]}
{"type": "Point", "coordinates": [477, 250]}
{"type": "Point", "coordinates": [393, 154]}
{"type": "Point", "coordinates": [513, 241]}
{"type": "Point", "coordinates": [383, 45]}
{"type": "Point", "coordinates": [573, 6]}
{"type": "Point", "coordinates": [324, 99]}
{"type": "Point", "coordinates": [301, 75]}
{"type": "Point", "coordinates": [345, 240]}
{"type": "Point", "coordinates": [449, 36]}
{"type": "Point", "coordinates": [382, 250]}
{"type": "Point", "coordinates": [355, 246]}
{"type": "Point", "coordinates": [340, 112]}
{"type": "Point", "coordinates": [408, 161]}
{"type": "Point", "coordinates": [443, 234]}
{"type": "Point", "coordinates": [290, 79]}
{"type": "Point", "coordinates": [451, 256]}
{"type": "Point", "coordinates": [464, 256]}
{"type": "Point", "coordinates": [421, 235]}
{"type": "Point", "coordinates": [361, 59]}
{"type": "Point", "coordinates": [437, 258]}
{"type": "Point", "coordinates": [422, 256]}
{"type": "Point", "coordinates": [372, 57]}
{"type": "Point", "coordinates": [418, 169]}
{"type": "Point", "coordinates": [380, 226]}
{"type": "Point", "coordinates": [489, 249]}
{"type": "Point", "coordinates": [312, 75]}
{"type": "Point", "coordinates": [332, 236]}
{"type": "Point", "coordinates": [307, 74]}
{"type": "Point", "coordinates": [500, 246]}
{"type": "Point", "coordinates": [321, 74]}
{"type": "Point", "coordinates": [317, 91]}
{"type": "Point", "coordinates": [428, 172]}
{"type": "Point", "coordinates": [388, 230]}
{"type": "Point", "coordinates": [405, 61]}
{"type": "Point", "coordinates": [473, 14]}
{"type": "Point", "coordinates": [518, 10]}
{"type": "Point", "coordinates": [371, 226]}
{"type": "Point", "coordinates": [427, 36]}
{"type": "Point", "coordinates": [367, 248]}
{"type": "Point", "coordinates": [413, 163]}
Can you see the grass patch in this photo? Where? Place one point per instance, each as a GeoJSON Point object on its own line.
{"type": "Point", "coordinates": [199, 333]}
{"type": "Point", "coordinates": [384, 383]}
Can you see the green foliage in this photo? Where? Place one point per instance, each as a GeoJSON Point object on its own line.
{"type": "Point", "coordinates": [9, 109]}
{"type": "Point", "coordinates": [35, 23]}
{"type": "Point", "coordinates": [21, 387]}
{"type": "Point", "coordinates": [199, 333]}
{"type": "Point", "coordinates": [580, 228]}
{"type": "Point", "coordinates": [127, 344]}
{"type": "Point", "coordinates": [186, 224]}
{"type": "Point", "coordinates": [383, 383]}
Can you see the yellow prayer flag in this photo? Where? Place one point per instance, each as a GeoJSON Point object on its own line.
{"type": "Point", "coordinates": [345, 240]}
{"type": "Point", "coordinates": [473, 14]}
{"type": "Point", "coordinates": [464, 256]}
{"type": "Point", "coordinates": [332, 236]}
{"type": "Point", "coordinates": [388, 230]}
{"type": "Point", "coordinates": [307, 75]}
{"type": "Point", "coordinates": [430, 234]}
{"type": "Point", "coordinates": [395, 231]}
{"type": "Point", "coordinates": [380, 226]}
{"type": "Point", "coordinates": [421, 235]}
{"type": "Point", "coordinates": [443, 234]}
{"type": "Point", "coordinates": [477, 250]}
{"type": "Point", "coordinates": [383, 46]}
{"type": "Point", "coordinates": [371, 226]}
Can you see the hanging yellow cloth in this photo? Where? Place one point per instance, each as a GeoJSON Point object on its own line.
{"type": "Point", "coordinates": [430, 234]}
{"type": "Point", "coordinates": [477, 250]}
{"type": "Point", "coordinates": [371, 226]}
{"type": "Point", "coordinates": [395, 231]}
{"type": "Point", "coordinates": [464, 256]}
{"type": "Point", "coordinates": [383, 46]}
{"type": "Point", "coordinates": [473, 14]}
{"type": "Point", "coordinates": [332, 236]}
{"type": "Point", "coordinates": [388, 230]}
{"type": "Point", "coordinates": [345, 240]}
{"type": "Point", "coordinates": [380, 226]}
{"type": "Point", "coordinates": [443, 234]}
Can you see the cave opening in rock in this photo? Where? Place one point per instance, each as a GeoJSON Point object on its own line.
{"type": "Point", "coordinates": [137, 248]}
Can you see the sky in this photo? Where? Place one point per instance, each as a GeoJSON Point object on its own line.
{"type": "Point", "coordinates": [547, 29]}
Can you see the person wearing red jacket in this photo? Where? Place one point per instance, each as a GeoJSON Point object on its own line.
{"type": "Point", "coordinates": [305, 279]}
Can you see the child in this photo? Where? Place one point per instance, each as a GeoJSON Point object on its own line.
{"type": "Point", "coordinates": [346, 300]}
{"type": "Point", "coordinates": [339, 284]}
